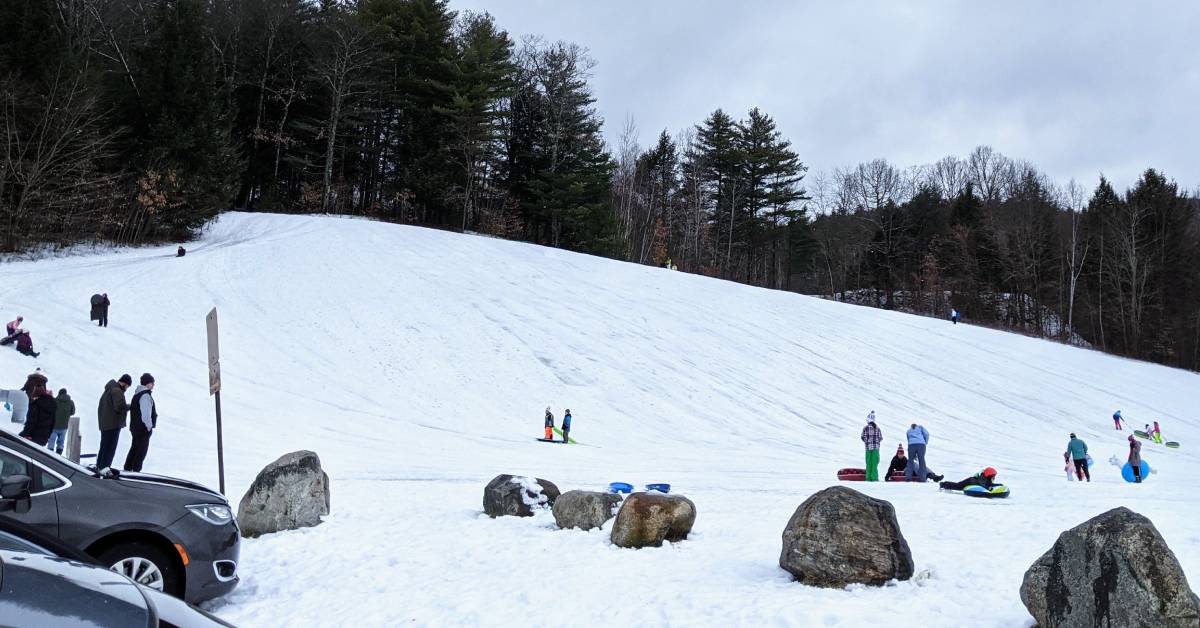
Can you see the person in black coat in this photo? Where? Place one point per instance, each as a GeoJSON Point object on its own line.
{"type": "Point", "coordinates": [40, 420]}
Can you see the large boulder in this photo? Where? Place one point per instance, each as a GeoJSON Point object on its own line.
{"type": "Point", "coordinates": [517, 496]}
{"type": "Point", "coordinates": [290, 493]}
{"type": "Point", "coordinates": [584, 509]}
{"type": "Point", "coordinates": [648, 519]}
{"type": "Point", "coordinates": [1114, 570]}
{"type": "Point", "coordinates": [839, 537]}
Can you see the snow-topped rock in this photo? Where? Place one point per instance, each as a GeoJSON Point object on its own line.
{"type": "Point", "coordinates": [517, 496]}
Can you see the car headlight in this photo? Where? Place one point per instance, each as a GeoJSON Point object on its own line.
{"type": "Point", "coordinates": [215, 514]}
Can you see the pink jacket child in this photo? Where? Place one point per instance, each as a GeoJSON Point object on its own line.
{"type": "Point", "coordinates": [12, 326]}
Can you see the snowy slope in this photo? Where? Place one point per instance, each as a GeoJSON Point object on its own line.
{"type": "Point", "coordinates": [418, 363]}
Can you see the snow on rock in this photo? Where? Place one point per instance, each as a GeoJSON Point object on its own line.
{"type": "Point", "coordinates": [517, 496]}
{"type": "Point", "coordinates": [1112, 570]}
{"type": "Point", "coordinates": [839, 537]}
{"type": "Point", "coordinates": [418, 362]}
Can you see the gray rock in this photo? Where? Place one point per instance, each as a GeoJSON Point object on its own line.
{"type": "Point", "coordinates": [648, 519]}
{"type": "Point", "coordinates": [839, 537]}
{"type": "Point", "coordinates": [584, 509]}
{"type": "Point", "coordinates": [517, 496]}
{"type": "Point", "coordinates": [1115, 571]}
{"type": "Point", "coordinates": [290, 493]}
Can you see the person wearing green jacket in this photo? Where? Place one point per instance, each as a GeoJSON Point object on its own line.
{"type": "Point", "coordinates": [1078, 450]}
{"type": "Point", "coordinates": [62, 417]}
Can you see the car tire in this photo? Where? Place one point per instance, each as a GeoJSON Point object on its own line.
{"type": "Point", "coordinates": [145, 564]}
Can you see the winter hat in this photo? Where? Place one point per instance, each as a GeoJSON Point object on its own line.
{"type": "Point", "coordinates": [62, 391]}
{"type": "Point", "coordinates": [900, 449]}
{"type": "Point", "coordinates": [870, 418]}
{"type": "Point", "coordinates": [147, 379]}
{"type": "Point", "coordinates": [1072, 434]}
{"type": "Point", "coordinates": [126, 379]}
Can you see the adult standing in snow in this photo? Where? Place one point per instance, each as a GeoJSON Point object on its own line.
{"type": "Point", "coordinates": [549, 424]}
{"type": "Point", "coordinates": [918, 439]}
{"type": "Point", "coordinates": [871, 437]}
{"type": "Point", "coordinates": [954, 316]}
{"type": "Point", "coordinates": [40, 421]}
{"type": "Point", "coordinates": [103, 310]}
{"type": "Point", "coordinates": [143, 418]}
{"type": "Point", "coordinates": [1078, 450]}
{"type": "Point", "coordinates": [567, 426]}
{"type": "Point", "coordinates": [1117, 420]}
{"type": "Point", "coordinates": [65, 407]}
{"type": "Point", "coordinates": [111, 416]}
{"type": "Point", "coordinates": [1135, 459]}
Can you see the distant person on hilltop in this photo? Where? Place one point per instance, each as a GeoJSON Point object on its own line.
{"type": "Point", "coordinates": [1117, 420]}
{"type": "Point", "coordinates": [566, 428]}
{"type": "Point", "coordinates": [181, 251]}
{"type": "Point", "coordinates": [954, 315]}
{"type": "Point", "coordinates": [871, 437]}
{"type": "Point", "coordinates": [100, 305]}
{"type": "Point", "coordinates": [549, 424]}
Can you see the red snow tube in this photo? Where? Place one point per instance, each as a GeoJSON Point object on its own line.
{"type": "Point", "coordinates": [852, 475]}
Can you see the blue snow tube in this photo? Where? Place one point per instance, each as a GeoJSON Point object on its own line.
{"type": "Point", "coordinates": [620, 487]}
{"type": "Point", "coordinates": [662, 488]}
{"type": "Point", "coordinates": [1127, 471]}
{"type": "Point", "coordinates": [996, 491]}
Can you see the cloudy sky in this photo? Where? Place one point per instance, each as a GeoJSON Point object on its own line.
{"type": "Point", "coordinates": [1078, 88]}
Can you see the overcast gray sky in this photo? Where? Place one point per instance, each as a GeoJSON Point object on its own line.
{"type": "Point", "coordinates": [1078, 88]}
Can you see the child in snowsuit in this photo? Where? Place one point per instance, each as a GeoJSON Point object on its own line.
{"type": "Point", "coordinates": [1067, 466]}
{"type": "Point", "coordinates": [11, 329]}
{"type": "Point", "coordinates": [566, 430]}
{"type": "Point", "coordinates": [549, 424]}
{"type": "Point", "coordinates": [985, 478]}
{"type": "Point", "coordinates": [1135, 459]}
{"type": "Point", "coordinates": [1117, 420]}
{"type": "Point", "coordinates": [1157, 434]}
{"type": "Point", "coordinates": [1078, 451]}
{"type": "Point", "coordinates": [871, 437]}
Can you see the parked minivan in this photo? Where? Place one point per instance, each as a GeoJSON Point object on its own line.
{"type": "Point", "coordinates": [168, 534]}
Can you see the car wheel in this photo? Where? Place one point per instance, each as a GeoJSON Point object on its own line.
{"type": "Point", "coordinates": [145, 564]}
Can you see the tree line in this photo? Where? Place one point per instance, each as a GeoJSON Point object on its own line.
{"type": "Point", "coordinates": [137, 121]}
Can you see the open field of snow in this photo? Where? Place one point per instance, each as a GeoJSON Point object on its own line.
{"type": "Point", "coordinates": [418, 363]}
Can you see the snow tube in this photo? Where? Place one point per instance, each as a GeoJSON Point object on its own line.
{"type": "Point", "coordinates": [1173, 444]}
{"type": "Point", "coordinates": [662, 488]}
{"type": "Point", "coordinates": [1127, 472]}
{"type": "Point", "coordinates": [1142, 435]}
{"type": "Point", "coordinates": [998, 490]}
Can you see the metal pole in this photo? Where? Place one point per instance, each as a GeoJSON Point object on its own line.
{"type": "Point", "coordinates": [220, 445]}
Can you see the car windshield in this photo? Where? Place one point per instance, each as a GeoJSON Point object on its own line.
{"type": "Point", "coordinates": [20, 443]}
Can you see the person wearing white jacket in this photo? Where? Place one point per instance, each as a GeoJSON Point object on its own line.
{"type": "Point", "coordinates": [143, 418]}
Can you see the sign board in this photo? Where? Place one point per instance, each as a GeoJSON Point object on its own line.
{"type": "Point", "coordinates": [214, 354]}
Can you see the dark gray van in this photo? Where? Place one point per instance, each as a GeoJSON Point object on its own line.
{"type": "Point", "coordinates": [171, 535]}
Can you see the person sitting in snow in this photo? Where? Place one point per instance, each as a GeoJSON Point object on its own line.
{"type": "Point", "coordinates": [549, 424]}
{"type": "Point", "coordinates": [985, 478]}
{"type": "Point", "coordinates": [25, 344]}
{"type": "Point", "coordinates": [899, 464]}
{"type": "Point", "coordinates": [11, 329]}
{"type": "Point", "coordinates": [181, 252]}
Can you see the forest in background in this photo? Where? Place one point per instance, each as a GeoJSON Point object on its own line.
{"type": "Point", "coordinates": [134, 121]}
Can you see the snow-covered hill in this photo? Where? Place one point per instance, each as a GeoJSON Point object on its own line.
{"type": "Point", "coordinates": [418, 363]}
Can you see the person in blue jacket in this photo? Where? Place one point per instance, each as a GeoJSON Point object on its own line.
{"type": "Point", "coordinates": [918, 438]}
{"type": "Point", "coordinates": [566, 426]}
{"type": "Point", "coordinates": [1078, 450]}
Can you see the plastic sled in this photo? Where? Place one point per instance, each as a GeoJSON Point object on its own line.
{"type": "Point", "coordinates": [662, 488]}
{"type": "Point", "coordinates": [1127, 472]}
{"type": "Point", "coordinates": [1173, 444]}
{"type": "Point", "coordinates": [620, 487]}
{"type": "Point", "coordinates": [549, 440]}
{"type": "Point", "coordinates": [997, 491]}
{"type": "Point", "coordinates": [1142, 435]}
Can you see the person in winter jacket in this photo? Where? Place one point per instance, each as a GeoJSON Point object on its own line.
{"type": "Point", "coordinates": [180, 252]}
{"type": "Point", "coordinates": [985, 478]}
{"type": "Point", "coordinates": [143, 418]}
{"type": "Point", "coordinates": [954, 316]}
{"type": "Point", "coordinates": [1078, 450]}
{"type": "Point", "coordinates": [918, 439]}
{"type": "Point", "coordinates": [25, 344]}
{"type": "Point", "coordinates": [871, 437]}
{"type": "Point", "coordinates": [11, 328]}
{"type": "Point", "coordinates": [111, 416]}
{"type": "Point", "coordinates": [1135, 459]}
{"type": "Point", "coordinates": [899, 462]}
{"type": "Point", "coordinates": [1117, 420]}
{"type": "Point", "coordinates": [566, 429]}
{"type": "Point", "coordinates": [40, 421]}
{"type": "Point", "coordinates": [549, 424]}
{"type": "Point", "coordinates": [1157, 433]}
{"type": "Point", "coordinates": [103, 310]}
{"type": "Point", "coordinates": [65, 407]}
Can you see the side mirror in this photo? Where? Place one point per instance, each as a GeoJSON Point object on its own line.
{"type": "Point", "coordinates": [14, 494]}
